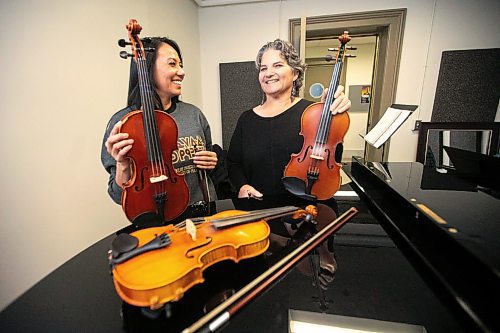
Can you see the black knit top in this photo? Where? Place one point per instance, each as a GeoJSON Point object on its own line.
{"type": "Point", "coordinates": [261, 147]}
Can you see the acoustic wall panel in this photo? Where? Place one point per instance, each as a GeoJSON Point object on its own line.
{"type": "Point", "coordinates": [239, 91]}
{"type": "Point", "coordinates": [468, 90]}
{"type": "Point", "coordinates": [468, 87]}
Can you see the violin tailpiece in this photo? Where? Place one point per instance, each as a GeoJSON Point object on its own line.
{"type": "Point", "coordinates": [158, 242]}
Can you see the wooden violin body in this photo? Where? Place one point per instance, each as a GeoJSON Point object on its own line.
{"type": "Point", "coordinates": [325, 168]}
{"type": "Point", "coordinates": [165, 275]}
{"type": "Point", "coordinates": [156, 276]}
{"type": "Point", "coordinates": [167, 197]}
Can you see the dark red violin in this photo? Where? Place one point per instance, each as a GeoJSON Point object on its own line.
{"type": "Point", "coordinates": [154, 187]}
{"type": "Point", "coordinates": [313, 172]}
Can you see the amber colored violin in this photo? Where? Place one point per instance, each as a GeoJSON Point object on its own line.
{"type": "Point", "coordinates": [154, 187]}
{"type": "Point", "coordinates": [313, 173]}
{"type": "Point", "coordinates": [157, 265]}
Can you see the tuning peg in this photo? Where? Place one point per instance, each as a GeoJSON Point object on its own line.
{"type": "Point", "coordinates": [125, 55]}
{"type": "Point", "coordinates": [350, 56]}
{"type": "Point", "coordinates": [351, 48]}
{"type": "Point", "coordinates": [123, 43]}
{"type": "Point", "coordinates": [333, 49]}
{"type": "Point", "coordinates": [328, 57]}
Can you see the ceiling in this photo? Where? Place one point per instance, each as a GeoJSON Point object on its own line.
{"type": "Point", "coordinates": [313, 42]}
{"type": "Point", "coordinates": [209, 3]}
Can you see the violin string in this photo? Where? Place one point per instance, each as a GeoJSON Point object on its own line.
{"type": "Point", "coordinates": [226, 221]}
{"type": "Point", "coordinates": [326, 116]}
{"type": "Point", "coordinates": [254, 216]}
{"type": "Point", "coordinates": [162, 165]}
{"type": "Point", "coordinates": [147, 110]}
{"type": "Point", "coordinates": [243, 220]}
{"type": "Point", "coordinates": [320, 137]}
{"type": "Point", "coordinates": [158, 165]}
{"type": "Point", "coordinates": [146, 107]}
{"type": "Point", "coordinates": [330, 99]}
{"type": "Point", "coordinates": [159, 158]}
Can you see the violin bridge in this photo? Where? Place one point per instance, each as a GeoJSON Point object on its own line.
{"type": "Point", "coordinates": [157, 179]}
{"type": "Point", "coordinates": [191, 229]}
{"type": "Point", "coordinates": [316, 157]}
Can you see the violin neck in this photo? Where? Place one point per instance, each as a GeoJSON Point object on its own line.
{"type": "Point", "coordinates": [326, 115]}
{"type": "Point", "coordinates": [253, 216]}
{"type": "Point", "coordinates": [334, 84]}
{"type": "Point", "coordinates": [148, 105]}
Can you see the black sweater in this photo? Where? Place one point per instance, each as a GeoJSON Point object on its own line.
{"type": "Point", "coordinates": [261, 147]}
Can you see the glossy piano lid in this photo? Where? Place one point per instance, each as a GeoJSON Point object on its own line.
{"type": "Point", "coordinates": [466, 211]}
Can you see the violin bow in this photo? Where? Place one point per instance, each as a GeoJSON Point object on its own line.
{"type": "Point", "coordinates": [203, 182]}
{"type": "Point", "coordinates": [222, 313]}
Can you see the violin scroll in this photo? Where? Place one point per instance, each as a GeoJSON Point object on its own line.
{"type": "Point", "coordinates": [134, 27]}
{"type": "Point", "coordinates": [345, 38]}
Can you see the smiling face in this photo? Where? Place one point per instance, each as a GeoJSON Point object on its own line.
{"type": "Point", "coordinates": [275, 75]}
{"type": "Point", "coordinates": [168, 73]}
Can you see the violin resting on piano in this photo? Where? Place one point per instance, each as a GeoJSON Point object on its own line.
{"type": "Point", "coordinates": [153, 266]}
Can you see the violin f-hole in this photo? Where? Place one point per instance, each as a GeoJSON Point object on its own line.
{"type": "Point", "coordinates": [302, 159]}
{"type": "Point", "coordinates": [208, 240]}
{"type": "Point", "coordinates": [172, 179]}
{"type": "Point", "coordinates": [141, 187]}
{"type": "Point", "coordinates": [328, 164]}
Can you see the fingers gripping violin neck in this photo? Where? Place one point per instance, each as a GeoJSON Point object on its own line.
{"type": "Point", "coordinates": [157, 265]}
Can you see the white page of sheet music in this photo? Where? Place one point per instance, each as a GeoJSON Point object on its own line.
{"type": "Point", "coordinates": [386, 126]}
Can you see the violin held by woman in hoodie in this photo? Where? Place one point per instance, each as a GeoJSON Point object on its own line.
{"type": "Point", "coordinates": [151, 146]}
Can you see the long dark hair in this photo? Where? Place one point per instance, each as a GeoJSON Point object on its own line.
{"type": "Point", "coordinates": [134, 95]}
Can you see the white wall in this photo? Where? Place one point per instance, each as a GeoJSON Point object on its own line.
{"type": "Point", "coordinates": [457, 25]}
{"type": "Point", "coordinates": [359, 73]}
{"type": "Point", "coordinates": [62, 79]}
{"type": "Point", "coordinates": [235, 33]}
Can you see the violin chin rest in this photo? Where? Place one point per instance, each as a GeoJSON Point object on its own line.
{"type": "Point", "coordinates": [123, 243]}
{"type": "Point", "coordinates": [297, 187]}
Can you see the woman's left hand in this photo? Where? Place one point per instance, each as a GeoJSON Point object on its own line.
{"type": "Point", "coordinates": [205, 159]}
{"type": "Point", "coordinates": [341, 102]}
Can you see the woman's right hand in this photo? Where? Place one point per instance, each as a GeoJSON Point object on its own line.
{"type": "Point", "coordinates": [247, 191]}
{"type": "Point", "coordinates": [118, 145]}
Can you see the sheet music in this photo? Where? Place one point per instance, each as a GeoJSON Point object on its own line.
{"type": "Point", "coordinates": [387, 125]}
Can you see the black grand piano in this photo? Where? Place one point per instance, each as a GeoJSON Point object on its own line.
{"type": "Point", "coordinates": [448, 226]}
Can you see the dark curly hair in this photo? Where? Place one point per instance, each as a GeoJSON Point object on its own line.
{"type": "Point", "coordinates": [292, 58]}
{"type": "Point", "coordinates": [134, 95]}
